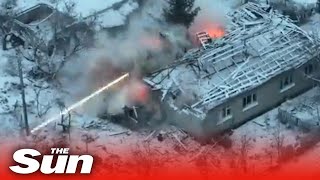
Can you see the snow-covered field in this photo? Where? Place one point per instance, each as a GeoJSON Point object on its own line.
{"type": "Point", "coordinates": [263, 133]}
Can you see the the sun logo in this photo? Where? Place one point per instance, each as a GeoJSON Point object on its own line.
{"type": "Point", "coordinates": [65, 163]}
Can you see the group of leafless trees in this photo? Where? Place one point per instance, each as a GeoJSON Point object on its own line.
{"type": "Point", "coordinates": [50, 51]}
{"type": "Point", "coordinates": [48, 44]}
{"type": "Point", "coordinates": [69, 37]}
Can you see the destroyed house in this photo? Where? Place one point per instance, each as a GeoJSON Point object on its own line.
{"type": "Point", "coordinates": [43, 25]}
{"type": "Point", "coordinates": [32, 25]}
{"type": "Point", "coordinates": [262, 60]}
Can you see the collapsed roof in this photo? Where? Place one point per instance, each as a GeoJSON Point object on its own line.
{"type": "Point", "coordinates": [258, 45]}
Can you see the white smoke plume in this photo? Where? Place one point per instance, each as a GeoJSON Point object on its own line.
{"type": "Point", "coordinates": [212, 17]}
{"type": "Point", "coordinates": [143, 45]}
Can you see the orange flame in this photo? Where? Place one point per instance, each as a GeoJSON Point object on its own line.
{"type": "Point", "coordinates": [138, 92]}
{"type": "Point", "coordinates": [215, 31]}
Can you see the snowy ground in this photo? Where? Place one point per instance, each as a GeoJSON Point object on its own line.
{"type": "Point", "coordinates": [305, 107]}
{"type": "Point", "coordinates": [10, 98]}
{"type": "Point", "coordinates": [262, 133]}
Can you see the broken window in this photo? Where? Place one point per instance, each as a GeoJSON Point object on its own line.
{"type": "Point", "coordinates": [249, 100]}
{"type": "Point", "coordinates": [175, 93]}
{"type": "Point", "coordinates": [225, 115]}
{"type": "Point", "coordinates": [308, 69]}
{"type": "Point", "coordinates": [226, 112]}
{"type": "Point", "coordinates": [286, 82]}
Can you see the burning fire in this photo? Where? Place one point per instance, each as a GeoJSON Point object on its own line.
{"type": "Point", "coordinates": [215, 31]}
{"type": "Point", "coordinates": [127, 93]}
{"type": "Point", "coordinates": [138, 92]}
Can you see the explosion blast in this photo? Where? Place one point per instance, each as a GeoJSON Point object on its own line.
{"type": "Point", "coordinates": [81, 102]}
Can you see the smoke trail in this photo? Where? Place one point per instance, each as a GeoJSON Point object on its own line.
{"type": "Point", "coordinates": [80, 103]}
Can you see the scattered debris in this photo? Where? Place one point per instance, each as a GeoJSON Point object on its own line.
{"type": "Point", "coordinates": [179, 141]}
{"type": "Point", "coordinates": [128, 133]}
{"type": "Point", "coordinates": [160, 136]}
{"type": "Point", "coordinates": [150, 135]}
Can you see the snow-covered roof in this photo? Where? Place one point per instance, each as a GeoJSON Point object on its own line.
{"type": "Point", "coordinates": [85, 8]}
{"type": "Point", "coordinates": [258, 45]}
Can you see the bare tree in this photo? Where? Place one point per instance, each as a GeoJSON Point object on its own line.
{"type": "Point", "coordinates": [269, 153]}
{"type": "Point", "coordinates": [41, 108]}
{"type": "Point", "coordinates": [17, 116]}
{"type": "Point", "coordinates": [23, 98]}
{"type": "Point", "coordinates": [245, 147]}
{"type": "Point", "coordinates": [152, 159]}
{"type": "Point", "coordinates": [50, 63]}
{"type": "Point", "coordinates": [88, 139]}
{"type": "Point", "coordinates": [69, 36]}
{"type": "Point", "coordinates": [65, 122]}
{"type": "Point", "coordinates": [50, 52]}
{"type": "Point", "coordinates": [278, 140]}
{"type": "Point", "coordinates": [7, 7]}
